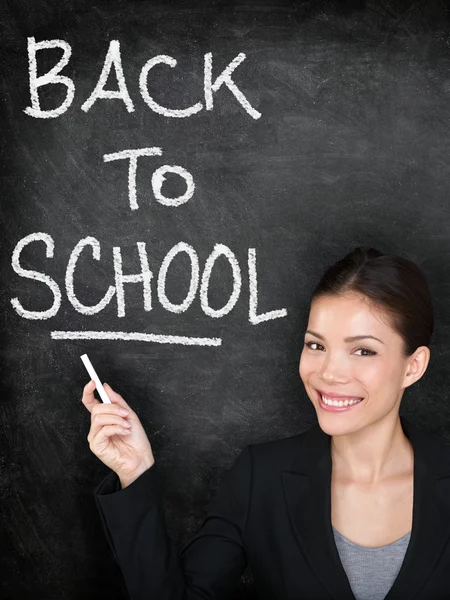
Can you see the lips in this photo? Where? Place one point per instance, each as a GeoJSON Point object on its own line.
{"type": "Point", "coordinates": [335, 408]}
{"type": "Point", "coordinates": [335, 396]}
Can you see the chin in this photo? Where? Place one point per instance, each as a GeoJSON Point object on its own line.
{"type": "Point", "coordinates": [336, 426]}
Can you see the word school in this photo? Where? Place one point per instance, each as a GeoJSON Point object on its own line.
{"type": "Point", "coordinates": [145, 276]}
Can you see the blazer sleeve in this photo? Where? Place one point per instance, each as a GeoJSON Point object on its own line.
{"type": "Point", "coordinates": [208, 566]}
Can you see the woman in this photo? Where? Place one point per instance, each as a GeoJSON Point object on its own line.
{"type": "Point", "coordinates": [356, 507]}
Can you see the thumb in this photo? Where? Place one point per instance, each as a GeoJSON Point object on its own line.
{"type": "Point", "coordinates": [88, 398]}
{"type": "Point", "coordinates": [115, 397]}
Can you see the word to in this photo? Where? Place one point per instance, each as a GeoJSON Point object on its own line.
{"type": "Point", "coordinates": [158, 176]}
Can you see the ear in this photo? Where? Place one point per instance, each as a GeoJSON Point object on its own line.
{"type": "Point", "coordinates": [417, 365]}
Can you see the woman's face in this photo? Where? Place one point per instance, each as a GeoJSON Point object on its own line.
{"type": "Point", "coordinates": [367, 368]}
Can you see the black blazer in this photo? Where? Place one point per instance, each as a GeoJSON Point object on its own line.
{"type": "Point", "coordinates": [273, 511]}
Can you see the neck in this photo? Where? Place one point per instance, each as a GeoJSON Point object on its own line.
{"type": "Point", "coordinates": [372, 454]}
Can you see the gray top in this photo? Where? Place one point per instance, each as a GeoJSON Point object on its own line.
{"type": "Point", "coordinates": [371, 571]}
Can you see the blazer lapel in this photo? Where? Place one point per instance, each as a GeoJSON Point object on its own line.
{"type": "Point", "coordinates": [307, 489]}
{"type": "Point", "coordinates": [431, 514]}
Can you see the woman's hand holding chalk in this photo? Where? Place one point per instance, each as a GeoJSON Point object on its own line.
{"type": "Point", "coordinates": [116, 435]}
{"type": "Point", "coordinates": [90, 369]}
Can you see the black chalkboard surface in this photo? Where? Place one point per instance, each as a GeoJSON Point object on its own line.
{"type": "Point", "coordinates": [176, 176]}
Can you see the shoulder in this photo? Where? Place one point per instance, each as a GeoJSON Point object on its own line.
{"type": "Point", "coordinates": [278, 454]}
{"type": "Point", "coordinates": [430, 446]}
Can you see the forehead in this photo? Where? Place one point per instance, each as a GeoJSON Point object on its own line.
{"type": "Point", "coordinates": [346, 315]}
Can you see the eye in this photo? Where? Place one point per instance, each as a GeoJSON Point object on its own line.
{"type": "Point", "coordinates": [371, 352]}
{"type": "Point", "coordinates": [309, 344]}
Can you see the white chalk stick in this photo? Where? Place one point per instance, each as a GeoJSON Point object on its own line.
{"type": "Point", "coordinates": [90, 369]}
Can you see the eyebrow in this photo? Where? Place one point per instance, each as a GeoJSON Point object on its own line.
{"type": "Point", "coordinates": [347, 339]}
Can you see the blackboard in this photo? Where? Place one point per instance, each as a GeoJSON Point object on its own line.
{"type": "Point", "coordinates": [289, 132]}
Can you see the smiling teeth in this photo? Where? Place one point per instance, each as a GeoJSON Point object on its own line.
{"type": "Point", "coordinates": [339, 402]}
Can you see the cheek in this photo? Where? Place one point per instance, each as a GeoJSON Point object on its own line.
{"type": "Point", "coordinates": [375, 374]}
{"type": "Point", "coordinates": [305, 367]}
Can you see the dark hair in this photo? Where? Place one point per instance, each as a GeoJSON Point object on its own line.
{"type": "Point", "coordinates": [388, 282]}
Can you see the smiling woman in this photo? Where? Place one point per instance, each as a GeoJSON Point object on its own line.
{"type": "Point", "coordinates": [324, 514]}
{"type": "Point", "coordinates": [370, 325]}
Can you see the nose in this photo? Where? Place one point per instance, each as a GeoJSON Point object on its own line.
{"type": "Point", "coordinates": [331, 372]}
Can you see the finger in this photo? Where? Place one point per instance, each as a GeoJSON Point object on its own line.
{"type": "Point", "coordinates": [100, 420]}
{"type": "Point", "coordinates": [115, 397]}
{"type": "Point", "coordinates": [101, 436]}
{"type": "Point", "coordinates": [88, 398]}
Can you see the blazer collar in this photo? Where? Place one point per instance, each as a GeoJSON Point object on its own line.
{"type": "Point", "coordinates": [307, 489]}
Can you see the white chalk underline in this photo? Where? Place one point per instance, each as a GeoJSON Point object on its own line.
{"type": "Point", "coordinates": [137, 337]}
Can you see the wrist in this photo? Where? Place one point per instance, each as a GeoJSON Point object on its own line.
{"type": "Point", "coordinates": [126, 480]}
